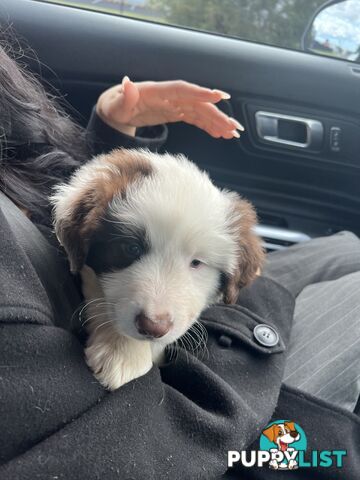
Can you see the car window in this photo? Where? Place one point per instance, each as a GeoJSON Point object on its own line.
{"type": "Point", "coordinates": [283, 23]}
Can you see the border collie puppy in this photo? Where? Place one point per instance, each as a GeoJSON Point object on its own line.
{"type": "Point", "coordinates": [155, 243]}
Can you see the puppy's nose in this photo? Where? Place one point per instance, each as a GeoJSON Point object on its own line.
{"type": "Point", "coordinates": [294, 434]}
{"type": "Point", "coordinates": [156, 327]}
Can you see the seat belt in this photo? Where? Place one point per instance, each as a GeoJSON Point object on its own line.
{"type": "Point", "coordinates": [48, 261]}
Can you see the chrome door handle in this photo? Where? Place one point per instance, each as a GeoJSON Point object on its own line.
{"type": "Point", "coordinates": [304, 133]}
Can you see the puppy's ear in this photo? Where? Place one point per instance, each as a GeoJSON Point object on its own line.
{"type": "Point", "coordinates": [80, 205]}
{"type": "Point", "coordinates": [270, 433]}
{"type": "Point", "coordinates": [290, 425]}
{"type": "Point", "coordinates": [250, 255]}
{"type": "Point", "coordinates": [76, 218]}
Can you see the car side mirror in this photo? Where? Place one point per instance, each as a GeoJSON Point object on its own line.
{"type": "Point", "coordinates": [334, 30]}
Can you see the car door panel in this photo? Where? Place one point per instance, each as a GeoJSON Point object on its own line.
{"type": "Point", "coordinates": [315, 191]}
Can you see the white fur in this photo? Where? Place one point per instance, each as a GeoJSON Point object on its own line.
{"type": "Point", "coordinates": [185, 217]}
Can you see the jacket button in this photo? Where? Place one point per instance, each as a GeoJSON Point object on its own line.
{"type": "Point", "coordinates": [225, 341]}
{"type": "Point", "coordinates": [266, 335]}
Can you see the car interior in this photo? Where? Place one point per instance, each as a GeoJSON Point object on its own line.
{"type": "Point", "coordinates": [298, 160]}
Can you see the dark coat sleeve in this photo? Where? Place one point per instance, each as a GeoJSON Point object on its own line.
{"type": "Point", "coordinates": [102, 138]}
{"type": "Point", "coordinates": [176, 422]}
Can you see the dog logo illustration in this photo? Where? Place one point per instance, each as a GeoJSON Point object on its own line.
{"type": "Point", "coordinates": [283, 446]}
{"type": "Point", "coordinates": [283, 439]}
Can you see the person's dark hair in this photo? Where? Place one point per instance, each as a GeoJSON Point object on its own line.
{"type": "Point", "coordinates": [39, 144]}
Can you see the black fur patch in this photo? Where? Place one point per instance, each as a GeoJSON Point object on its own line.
{"type": "Point", "coordinates": [115, 247]}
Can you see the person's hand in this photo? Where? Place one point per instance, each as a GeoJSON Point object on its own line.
{"type": "Point", "coordinates": [137, 104]}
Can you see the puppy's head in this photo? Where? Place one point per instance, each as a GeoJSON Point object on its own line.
{"type": "Point", "coordinates": [282, 434]}
{"type": "Point", "coordinates": [163, 241]}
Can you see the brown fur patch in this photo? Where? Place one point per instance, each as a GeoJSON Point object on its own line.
{"type": "Point", "coordinates": [93, 199]}
{"type": "Point", "coordinates": [290, 426]}
{"type": "Point", "coordinates": [250, 252]}
{"type": "Point", "coordinates": [272, 432]}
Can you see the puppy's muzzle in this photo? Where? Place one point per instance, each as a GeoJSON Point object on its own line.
{"type": "Point", "coordinates": [155, 327]}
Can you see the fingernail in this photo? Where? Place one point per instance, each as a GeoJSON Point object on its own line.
{"type": "Point", "coordinates": [236, 134]}
{"type": "Point", "coordinates": [237, 124]}
{"type": "Point", "coordinates": [125, 79]}
{"type": "Point", "coordinates": [224, 95]}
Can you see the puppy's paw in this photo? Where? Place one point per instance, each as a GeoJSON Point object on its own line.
{"type": "Point", "coordinates": [293, 465]}
{"type": "Point", "coordinates": [118, 361]}
{"type": "Point", "coordinates": [273, 464]}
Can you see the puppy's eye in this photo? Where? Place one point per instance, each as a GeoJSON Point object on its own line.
{"type": "Point", "coordinates": [133, 250]}
{"type": "Point", "coordinates": [196, 263]}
